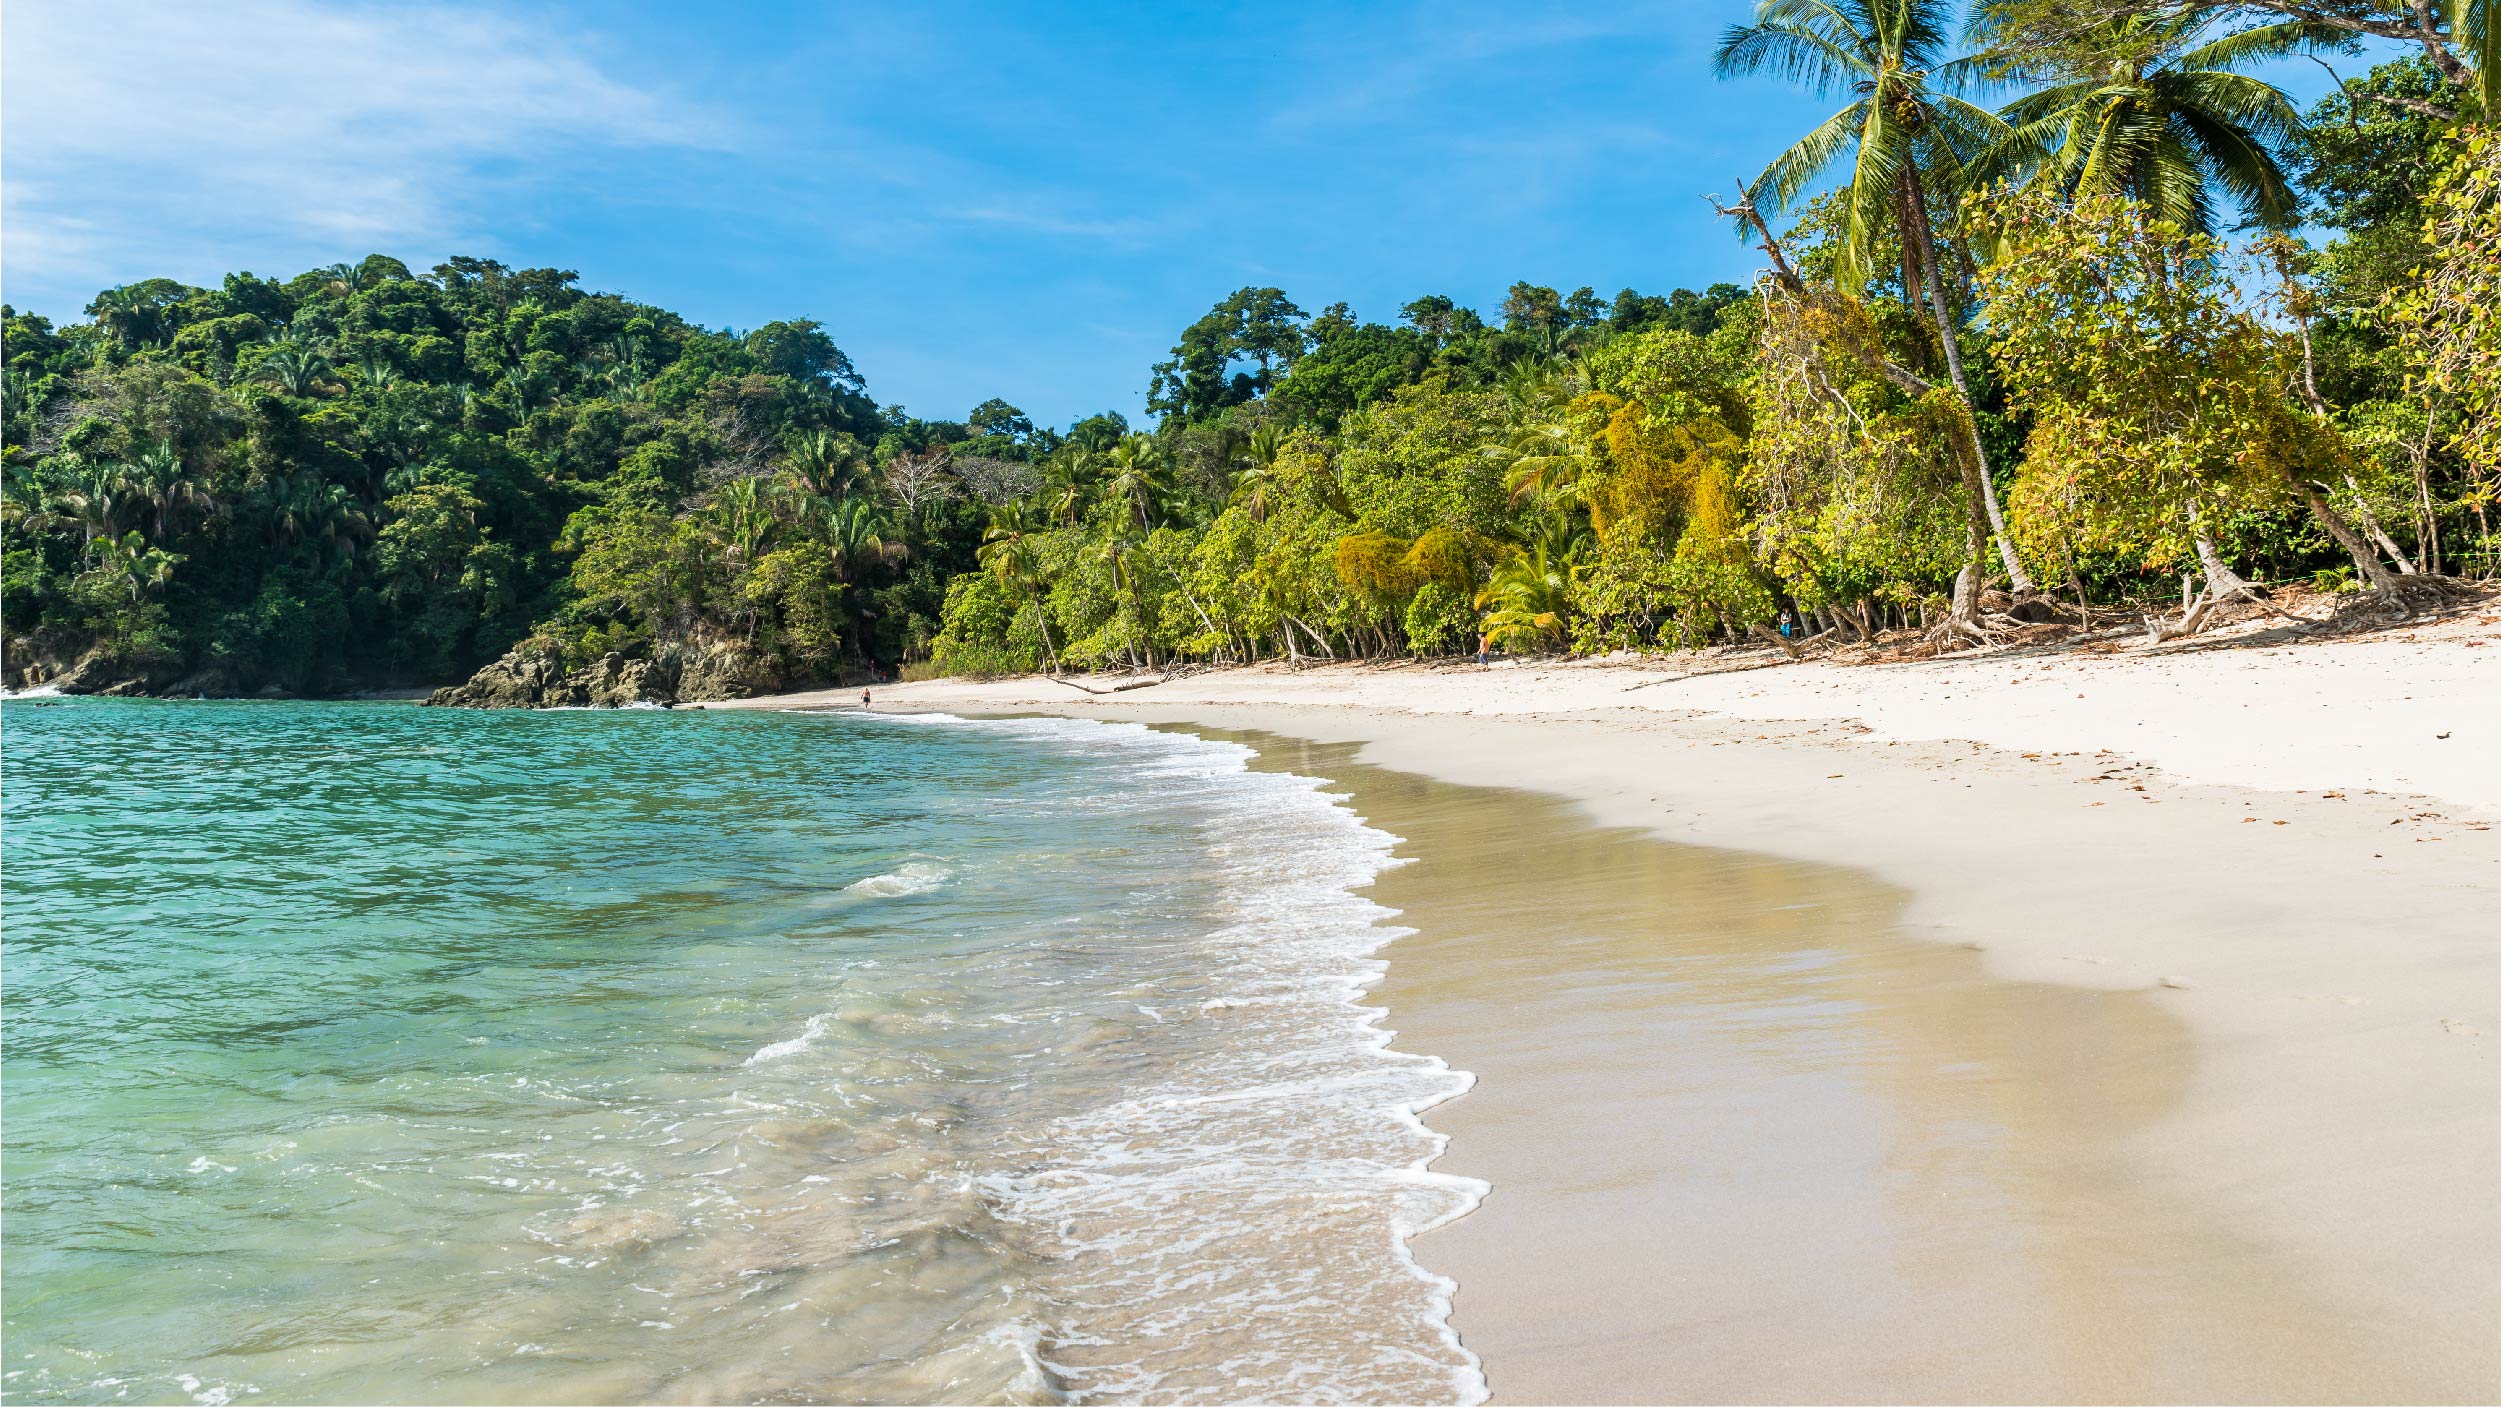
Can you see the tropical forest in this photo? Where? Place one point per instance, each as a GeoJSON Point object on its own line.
{"type": "Point", "coordinates": [2065, 312]}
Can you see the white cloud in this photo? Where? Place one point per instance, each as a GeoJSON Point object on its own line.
{"type": "Point", "coordinates": [191, 139]}
{"type": "Point", "coordinates": [1039, 218]}
{"type": "Point", "coordinates": [1370, 75]}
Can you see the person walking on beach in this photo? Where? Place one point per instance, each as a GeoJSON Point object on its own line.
{"type": "Point", "coordinates": [864, 698]}
{"type": "Point", "coordinates": [1484, 649]}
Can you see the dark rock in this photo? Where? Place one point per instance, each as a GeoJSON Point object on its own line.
{"type": "Point", "coordinates": [100, 671]}
{"type": "Point", "coordinates": [211, 681]}
{"type": "Point", "coordinates": [533, 675]}
{"type": "Point", "coordinates": [530, 675]}
{"type": "Point", "coordinates": [707, 670]}
{"type": "Point", "coordinates": [617, 682]}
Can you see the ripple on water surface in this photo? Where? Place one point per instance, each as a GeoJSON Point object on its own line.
{"type": "Point", "coordinates": [359, 1052]}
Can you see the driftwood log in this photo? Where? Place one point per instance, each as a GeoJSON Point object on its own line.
{"type": "Point", "coordinates": [1115, 689]}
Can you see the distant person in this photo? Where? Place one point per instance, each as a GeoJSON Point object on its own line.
{"type": "Point", "coordinates": [1484, 649]}
{"type": "Point", "coordinates": [864, 698]}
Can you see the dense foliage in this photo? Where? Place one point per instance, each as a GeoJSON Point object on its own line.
{"type": "Point", "coordinates": [364, 475]}
{"type": "Point", "coordinates": [2009, 346]}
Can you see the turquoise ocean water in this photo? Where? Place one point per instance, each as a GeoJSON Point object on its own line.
{"type": "Point", "coordinates": [360, 1052]}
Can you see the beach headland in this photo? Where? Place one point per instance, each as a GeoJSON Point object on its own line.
{"type": "Point", "coordinates": [2006, 1028]}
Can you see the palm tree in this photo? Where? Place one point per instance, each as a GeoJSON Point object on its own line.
{"type": "Point", "coordinates": [523, 384]}
{"type": "Point", "coordinates": [155, 485]}
{"type": "Point", "coordinates": [827, 463]}
{"type": "Point", "coordinates": [307, 508]}
{"type": "Point", "coordinates": [1136, 475]}
{"type": "Point", "coordinates": [626, 371]}
{"type": "Point", "coordinates": [855, 532]}
{"type": "Point", "coordinates": [1546, 463]}
{"type": "Point", "coordinates": [1528, 596]}
{"type": "Point", "coordinates": [130, 563]}
{"type": "Point", "coordinates": [90, 502]}
{"type": "Point", "coordinates": [1908, 143]}
{"type": "Point", "coordinates": [745, 509]}
{"type": "Point", "coordinates": [1116, 552]}
{"type": "Point", "coordinates": [2163, 119]}
{"type": "Point", "coordinates": [1258, 481]}
{"type": "Point", "coordinates": [297, 362]}
{"type": "Point", "coordinates": [1007, 552]}
{"type": "Point", "coordinates": [126, 316]}
{"type": "Point", "coordinates": [1068, 484]}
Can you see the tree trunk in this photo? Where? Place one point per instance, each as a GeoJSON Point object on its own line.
{"type": "Point", "coordinates": [2364, 559]}
{"type": "Point", "coordinates": [2221, 580]}
{"type": "Point", "coordinates": [1962, 621]}
{"type": "Point", "coordinates": [1042, 618]}
{"type": "Point", "coordinates": [1917, 206]}
{"type": "Point", "coordinates": [2370, 524]}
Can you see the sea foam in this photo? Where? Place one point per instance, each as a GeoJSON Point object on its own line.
{"type": "Point", "coordinates": [1236, 1222]}
{"type": "Point", "coordinates": [916, 877]}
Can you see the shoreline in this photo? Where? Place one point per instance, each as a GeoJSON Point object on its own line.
{"type": "Point", "coordinates": [1748, 1143]}
{"type": "Point", "coordinates": [2324, 949]}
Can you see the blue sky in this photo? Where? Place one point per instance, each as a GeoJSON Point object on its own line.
{"type": "Point", "coordinates": [1021, 200]}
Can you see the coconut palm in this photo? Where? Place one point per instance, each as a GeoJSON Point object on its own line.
{"type": "Point", "coordinates": [744, 508]}
{"type": "Point", "coordinates": [1527, 597]}
{"type": "Point", "coordinates": [829, 463]}
{"type": "Point", "coordinates": [1546, 462]}
{"type": "Point", "coordinates": [627, 370]}
{"type": "Point", "coordinates": [522, 385]}
{"type": "Point", "coordinates": [1905, 136]}
{"type": "Point", "coordinates": [1908, 142]}
{"type": "Point", "coordinates": [1136, 475]}
{"type": "Point", "coordinates": [297, 361]}
{"type": "Point", "coordinates": [855, 532]}
{"type": "Point", "coordinates": [1257, 483]}
{"type": "Point", "coordinates": [1068, 483]}
{"type": "Point", "coordinates": [1008, 553]}
{"type": "Point", "coordinates": [1534, 393]}
{"type": "Point", "coordinates": [2161, 117]}
{"type": "Point", "coordinates": [1119, 553]}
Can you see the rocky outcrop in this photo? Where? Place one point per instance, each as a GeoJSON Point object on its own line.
{"type": "Point", "coordinates": [532, 675]}
{"type": "Point", "coordinates": [721, 669]}
{"type": "Point", "coordinates": [98, 671]}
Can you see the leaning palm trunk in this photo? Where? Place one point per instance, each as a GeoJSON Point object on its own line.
{"type": "Point", "coordinates": [1042, 618]}
{"type": "Point", "coordinates": [1915, 211]}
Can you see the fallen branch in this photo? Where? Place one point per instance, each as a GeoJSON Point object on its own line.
{"type": "Point", "coordinates": [1116, 688]}
{"type": "Point", "coordinates": [1787, 646]}
{"type": "Point", "coordinates": [1704, 673]}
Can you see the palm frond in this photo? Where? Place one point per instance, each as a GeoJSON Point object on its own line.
{"type": "Point", "coordinates": [2475, 34]}
{"type": "Point", "coordinates": [2263, 44]}
{"type": "Point", "coordinates": [1793, 171]}
{"type": "Point", "coordinates": [1791, 52]}
{"type": "Point", "coordinates": [2245, 169]}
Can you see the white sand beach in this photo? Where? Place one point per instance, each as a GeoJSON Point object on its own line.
{"type": "Point", "coordinates": [2287, 855]}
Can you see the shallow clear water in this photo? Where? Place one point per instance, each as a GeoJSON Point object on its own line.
{"type": "Point", "coordinates": [361, 1052]}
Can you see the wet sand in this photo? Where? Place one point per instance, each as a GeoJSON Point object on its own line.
{"type": "Point", "coordinates": [1751, 1142]}
{"type": "Point", "coordinates": [2169, 1066]}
